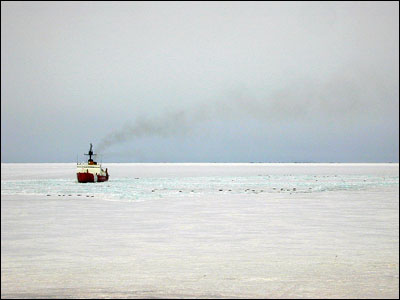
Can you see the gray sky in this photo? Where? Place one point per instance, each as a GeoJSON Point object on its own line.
{"type": "Point", "coordinates": [200, 81]}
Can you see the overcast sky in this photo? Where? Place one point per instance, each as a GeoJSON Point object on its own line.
{"type": "Point", "coordinates": [200, 81]}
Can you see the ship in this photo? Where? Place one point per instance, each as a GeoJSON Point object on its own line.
{"type": "Point", "coordinates": [91, 171]}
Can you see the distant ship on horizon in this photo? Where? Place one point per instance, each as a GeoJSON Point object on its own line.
{"type": "Point", "coordinates": [91, 171]}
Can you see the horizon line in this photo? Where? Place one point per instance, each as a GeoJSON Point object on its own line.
{"type": "Point", "coordinates": [205, 162]}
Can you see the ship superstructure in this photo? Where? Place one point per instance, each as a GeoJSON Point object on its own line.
{"type": "Point", "coordinates": [91, 171]}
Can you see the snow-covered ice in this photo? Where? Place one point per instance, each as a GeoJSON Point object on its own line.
{"type": "Point", "coordinates": [201, 230]}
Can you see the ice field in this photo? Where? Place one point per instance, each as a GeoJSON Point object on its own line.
{"type": "Point", "coordinates": [201, 231]}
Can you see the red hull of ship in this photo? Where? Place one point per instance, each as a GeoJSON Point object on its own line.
{"type": "Point", "coordinates": [102, 178]}
{"type": "Point", "coordinates": [85, 177]}
{"type": "Point", "coordinates": [88, 177]}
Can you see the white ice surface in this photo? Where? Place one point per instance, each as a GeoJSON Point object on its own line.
{"type": "Point", "coordinates": [201, 230]}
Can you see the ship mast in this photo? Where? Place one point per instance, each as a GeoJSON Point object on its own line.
{"type": "Point", "coordinates": [90, 153]}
